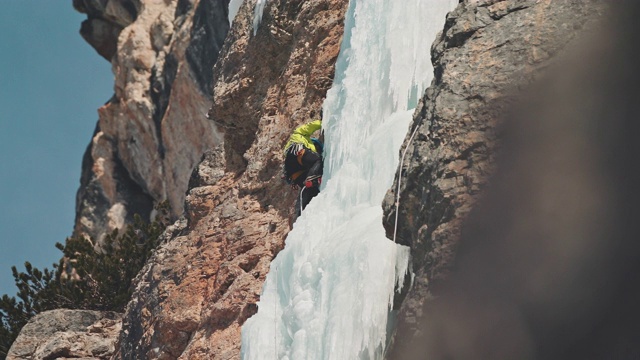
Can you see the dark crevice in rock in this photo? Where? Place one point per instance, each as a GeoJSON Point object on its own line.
{"type": "Point", "coordinates": [210, 27]}
{"type": "Point", "coordinates": [138, 201]}
{"type": "Point", "coordinates": [210, 169]}
{"type": "Point", "coordinates": [161, 84]}
{"type": "Point", "coordinates": [466, 153]}
{"type": "Point", "coordinates": [249, 263]}
{"type": "Point", "coordinates": [87, 164]}
{"type": "Point", "coordinates": [224, 279]}
{"type": "Point", "coordinates": [500, 15]}
{"type": "Point", "coordinates": [90, 192]}
{"type": "Point", "coordinates": [458, 39]}
{"type": "Point", "coordinates": [248, 311]}
{"type": "Point", "coordinates": [131, 7]}
{"type": "Point", "coordinates": [182, 8]}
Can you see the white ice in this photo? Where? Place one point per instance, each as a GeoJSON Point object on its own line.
{"type": "Point", "coordinates": [234, 6]}
{"type": "Point", "coordinates": [329, 293]}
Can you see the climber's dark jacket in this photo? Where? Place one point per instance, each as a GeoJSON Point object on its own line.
{"type": "Point", "coordinates": [302, 159]}
{"type": "Point", "coordinates": [303, 162]}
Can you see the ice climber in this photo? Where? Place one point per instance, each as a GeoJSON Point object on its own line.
{"type": "Point", "coordinates": [303, 162]}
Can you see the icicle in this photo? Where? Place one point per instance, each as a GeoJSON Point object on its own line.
{"type": "Point", "coordinates": [257, 14]}
{"type": "Point", "coordinates": [234, 6]}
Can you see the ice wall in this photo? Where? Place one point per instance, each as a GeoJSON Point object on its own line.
{"type": "Point", "coordinates": [329, 292]}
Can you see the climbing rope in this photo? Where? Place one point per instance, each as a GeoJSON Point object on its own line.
{"type": "Point", "coordinates": [301, 191]}
{"type": "Point", "coordinates": [395, 225]}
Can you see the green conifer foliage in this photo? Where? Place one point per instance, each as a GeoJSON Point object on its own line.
{"type": "Point", "coordinates": [85, 278]}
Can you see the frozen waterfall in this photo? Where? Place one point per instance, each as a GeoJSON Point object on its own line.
{"type": "Point", "coordinates": [329, 293]}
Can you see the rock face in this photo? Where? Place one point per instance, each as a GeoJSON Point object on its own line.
{"type": "Point", "coordinates": [201, 285]}
{"type": "Point", "coordinates": [59, 334]}
{"type": "Point", "coordinates": [194, 294]}
{"type": "Point", "coordinates": [487, 50]}
{"type": "Point", "coordinates": [153, 131]}
{"type": "Point", "coordinates": [548, 260]}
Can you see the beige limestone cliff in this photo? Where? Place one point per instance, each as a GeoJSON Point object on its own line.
{"type": "Point", "coordinates": [153, 131]}
{"type": "Point", "coordinates": [203, 283]}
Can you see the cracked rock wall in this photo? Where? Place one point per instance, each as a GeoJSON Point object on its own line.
{"type": "Point", "coordinates": [487, 51]}
{"type": "Point", "coordinates": [193, 296]}
{"type": "Point", "coordinates": [153, 131]}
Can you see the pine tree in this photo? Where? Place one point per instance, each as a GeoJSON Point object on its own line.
{"type": "Point", "coordinates": [85, 278]}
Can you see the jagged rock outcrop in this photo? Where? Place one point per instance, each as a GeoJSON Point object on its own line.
{"type": "Point", "coordinates": [487, 51]}
{"type": "Point", "coordinates": [60, 334]}
{"type": "Point", "coordinates": [153, 131]}
{"type": "Point", "coordinates": [105, 21]}
{"type": "Point", "coordinates": [548, 259]}
{"type": "Point", "coordinates": [204, 281]}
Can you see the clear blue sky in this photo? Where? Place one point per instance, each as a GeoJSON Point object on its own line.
{"type": "Point", "coordinates": [51, 84]}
